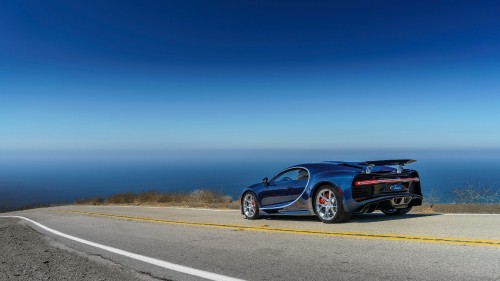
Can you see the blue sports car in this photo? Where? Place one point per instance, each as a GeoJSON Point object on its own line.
{"type": "Point", "coordinates": [334, 190]}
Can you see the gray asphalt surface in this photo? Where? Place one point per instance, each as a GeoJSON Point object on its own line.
{"type": "Point", "coordinates": [253, 255]}
{"type": "Point", "coordinates": [26, 254]}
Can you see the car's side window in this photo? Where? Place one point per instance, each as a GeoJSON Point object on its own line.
{"type": "Point", "coordinates": [291, 175]}
{"type": "Point", "coordinates": [303, 174]}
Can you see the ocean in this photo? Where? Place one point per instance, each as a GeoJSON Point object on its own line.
{"type": "Point", "coordinates": [29, 178]}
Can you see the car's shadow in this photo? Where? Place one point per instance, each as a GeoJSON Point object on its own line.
{"type": "Point", "coordinates": [359, 218]}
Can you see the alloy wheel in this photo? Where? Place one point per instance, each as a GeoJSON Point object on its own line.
{"type": "Point", "coordinates": [249, 205]}
{"type": "Point", "coordinates": [326, 204]}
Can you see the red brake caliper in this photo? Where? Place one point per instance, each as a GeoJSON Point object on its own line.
{"type": "Point", "coordinates": [321, 200]}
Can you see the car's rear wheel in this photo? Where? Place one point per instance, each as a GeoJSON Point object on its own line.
{"type": "Point", "coordinates": [396, 212]}
{"type": "Point", "coordinates": [328, 205]}
{"type": "Point", "coordinates": [250, 206]}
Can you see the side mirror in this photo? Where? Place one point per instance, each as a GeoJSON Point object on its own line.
{"type": "Point", "coordinates": [265, 181]}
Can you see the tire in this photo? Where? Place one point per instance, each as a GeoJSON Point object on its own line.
{"type": "Point", "coordinates": [249, 206]}
{"type": "Point", "coordinates": [396, 212]}
{"type": "Point", "coordinates": [328, 205]}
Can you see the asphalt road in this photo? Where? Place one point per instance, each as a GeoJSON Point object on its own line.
{"type": "Point", "coordinates": [369, 247]}
{"type": "Point", "coordinates": [27, 255]}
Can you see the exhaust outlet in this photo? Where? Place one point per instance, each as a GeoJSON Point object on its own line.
{"type": "Point", "coordinates": [400, 202]}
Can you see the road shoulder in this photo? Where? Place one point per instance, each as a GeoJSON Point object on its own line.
{"type": "Point", "coordinates": [26, 254]}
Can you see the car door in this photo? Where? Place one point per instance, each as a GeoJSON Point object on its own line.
{"type": "Point", "coordinates": [281, 189]}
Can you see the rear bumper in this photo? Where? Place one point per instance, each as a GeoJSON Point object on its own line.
{"type": "Point", "coordinates": [411, 200]}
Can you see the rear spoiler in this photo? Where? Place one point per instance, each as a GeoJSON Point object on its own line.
{"type": "Point", "coordinates": [399, 162]}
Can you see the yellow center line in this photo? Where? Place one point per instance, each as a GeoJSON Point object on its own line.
{"type": "Point", "coordinates": [364, 235]}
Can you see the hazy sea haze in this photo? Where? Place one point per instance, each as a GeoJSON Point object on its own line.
{"type": "Point", "coordinates": [28, 178]}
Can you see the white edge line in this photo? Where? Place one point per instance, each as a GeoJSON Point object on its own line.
{"type": "Point", "coordinates": [153, 261]}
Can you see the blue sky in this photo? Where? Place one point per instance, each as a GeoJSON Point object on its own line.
{"type": "Point", "coordinates": [249, 75]}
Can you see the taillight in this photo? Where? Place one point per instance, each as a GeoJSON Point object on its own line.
{"type": "Point", "coordinates": [372, 182]}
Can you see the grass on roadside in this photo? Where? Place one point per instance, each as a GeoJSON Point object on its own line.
{"type": "Point", "coordinates": [206, 198]}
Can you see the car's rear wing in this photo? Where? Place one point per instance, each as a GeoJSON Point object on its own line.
{"type": "Point", "coordinates": [399, 162]}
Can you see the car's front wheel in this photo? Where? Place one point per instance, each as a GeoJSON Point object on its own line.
{"type": "Point", "coordinates": [249, 206]}
{"type": "Point", "coordinates": [396, 212]}
{"type": "Point", "coordinates": [328, 205]}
